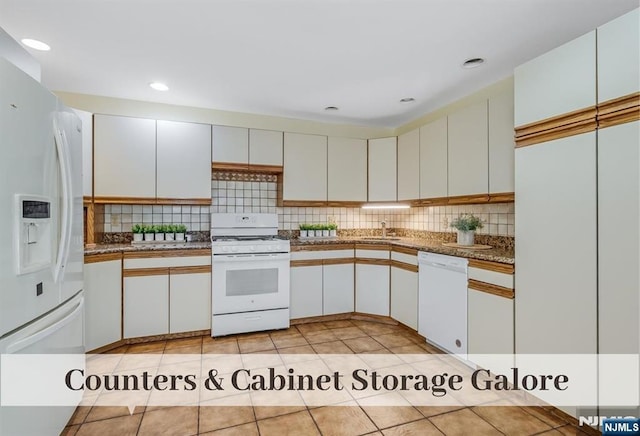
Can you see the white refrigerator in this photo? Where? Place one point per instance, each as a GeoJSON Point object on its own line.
{"type": "Point", "coordinates": [41, 235]}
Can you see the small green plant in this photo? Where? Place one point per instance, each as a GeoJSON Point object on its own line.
{"type": "Point", "coordinates": [181, 228]}
{"type": "Point", "coordinates": [466, 222]}
{"type": "Point", "coordinates": [304, 227]}
{"type": "Point", "coordinates": [332, 226]}
{"type": "Point", "coordinates": [137, 228]}
{"type": "Point", "coordinates": [147, 229]}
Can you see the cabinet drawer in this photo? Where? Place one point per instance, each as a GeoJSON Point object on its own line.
{"type": "Point", "coordinates": [161, 262]}
{"type": "Point", "coordinates": [372, 254]}
{"type": "Point", "coordinates": [405, 258]}
{"type": "Point", "coordinates": [329, 254]}
{"type": "Point", "coordinates": [492, 277]}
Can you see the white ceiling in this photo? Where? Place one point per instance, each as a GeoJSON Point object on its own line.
{"type": "Point", "coordinates": [294, 57]}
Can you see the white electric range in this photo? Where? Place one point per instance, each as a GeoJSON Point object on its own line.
{"type": "Point", "coordinates": [250, 280]}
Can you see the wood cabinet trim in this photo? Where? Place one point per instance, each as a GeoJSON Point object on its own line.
{"type": "Point", "coordinates": [141, 272]}
{"type": "Point", "coordinates": [405, 250]}
{"type": "Point", "coordinates": [620, 110]}
{"type": "Point", "coordinates": [404, 266]}
{"type": "Point", "coordinates": [246, 167]}
{"type": "Point", "coordinates": [272, 169]}
{"type": "Point", "coordinates": [365, 261]}
{"type": "Point", "coordinates": [489, 288]}
{"type": "Point", "coordinates": [502, 197]}
{"type": "Point", "coordinates": [145, 200]}
{"type": "Point", "coordinates": [319, 203]}
{"type": "Point", "coordinates": [102, 257]}
{"type": "Point", "coordinates": [376, 247]}
{"type": "Point", "coordinates": [189, 269]}
{"type": "Point", "coordinates": [186, 201]}
{"type": "Point", "coordinates": [307, 262]}
{"type": "Point", "coordinates": [560, 126]}
{"type": "Point", "coordinates": [504, 268]}
{"type": "Point", "coordinates": [338, 261]}
{"type": "Point", "coordinates": [322, 247]}
{"type": "Point", "coordinates": [167, 253]}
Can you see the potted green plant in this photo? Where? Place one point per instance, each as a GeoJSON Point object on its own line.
{"type": "Point", "coordinates": [304, 228]}
{"type": "Point", "coordinates": [169, 232]}
{"type": "Point", "coordinates": [325, 230]}
{"type": "Point", "coordinates": [137, 232]}
{"type": "Point", "coordinates": [148, 233]}
{"type": "Point", "coordinates": [466, 225]}
{"type": "Point", "coordinates": [159, 232]}
{"type": "Point", "coordinates": [181, 229]}
{"type": "Point", "coordinates": [311, 230]}
{"type": "Point", "coordinates": [333, 230]}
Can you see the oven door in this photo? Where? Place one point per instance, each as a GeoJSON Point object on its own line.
{"type": "Point", "coordinates": [249, 282]}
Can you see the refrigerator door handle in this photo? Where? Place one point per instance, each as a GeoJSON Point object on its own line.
{"type": "Point", "coordinates": [24, 343]}
{"type": "Point", "coordinates": [65, 237]}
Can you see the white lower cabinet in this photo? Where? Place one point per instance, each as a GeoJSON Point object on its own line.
{"type": "Point", "coordinates": [337, 287]}
{"type": "Point", "coordinates": [404, 296]}
{"type": "Point", "coordinates": [306, 291]}
{"type": "Point", "coordinates": [490, 329]}
{"type": "Point", "coordinates": [103, 303]}
{"type": "Point", "coordinates": [372, 289]}
{"type": "Point", "coordinates": [146, 305]}
{"type": "Point", "coordinates": [189, 302]}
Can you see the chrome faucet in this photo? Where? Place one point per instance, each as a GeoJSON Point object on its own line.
{"type": "Point", "coordinates": [384, 228]}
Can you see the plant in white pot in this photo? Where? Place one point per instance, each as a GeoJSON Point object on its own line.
{"type": "Point", "coordinates": [181, 229]}
{"type": "Point", "coordinates": [333, 229]}
{"type": "Point", "coordinates": [148, 233]}
{"type": "Point", "coordinates": [466, 225]}
{"type": "Point", "coordinates": [325, 230]}
{"type": "Point", "coordinates": [304, 230]}
{"type": "Point", "coordinates": [138, 230]}
{"type": "Point", "coordinates": [159, 232]}
{"type": "Point", "coordinates": [169, 232]}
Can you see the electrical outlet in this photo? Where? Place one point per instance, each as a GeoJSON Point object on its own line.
{"type": "Point", "coordinates": [115, 219]}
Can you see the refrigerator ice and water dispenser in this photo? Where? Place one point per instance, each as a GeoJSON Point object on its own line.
{"type": "Point", "coordinates": [33, 233]}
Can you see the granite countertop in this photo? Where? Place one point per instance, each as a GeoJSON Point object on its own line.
{"type": "Point", "coordinates": [115, 248]}
{"type": "Point", "coordinates": [494, 254]}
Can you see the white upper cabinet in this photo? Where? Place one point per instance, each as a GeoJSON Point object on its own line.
{"type": "Point", "coordinates": [124, 157]}
{"type": "Point", "coordinates": [183, 160]}
{"type": "Point", "coordinates": [468, 165]}
{"type": "Point", "coordinates": [230, 144]}
{"type": "Point", "coordinates": [383, 169]}
{"type": "Point", "coordinates": [265, 147]}
{"type": "Point", "coordinates": [501, 143]}
{"type": "Point", "coordinates": [619, 57]}
{"type": "Point", "coordinates": [347, 169]}
{"type": "Point", "coordinates": [433, 159]}
{"type": "Point", "coordinates": [87, 152]}
{"type": "Point", "coordinates": [305, 167]}
{"type": "Point", "coordinates": [560, 81]}
{"type": "Point", "coordinates": [409, 165]}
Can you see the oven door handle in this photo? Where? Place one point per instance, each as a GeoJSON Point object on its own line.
{"type": "Point", "coordinates": [250, 257]}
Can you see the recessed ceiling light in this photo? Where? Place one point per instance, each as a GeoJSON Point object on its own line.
{"type": "Point", "coordinates": [158, 86]}
{"type": "Point", "coordinates": [473, 62]}
{"type": "Point", "coordinates": [331, 108]}
{"type": "Point", "coordinates": [407, 100]}
{"type": "Point", "coordinates": [35, 44]}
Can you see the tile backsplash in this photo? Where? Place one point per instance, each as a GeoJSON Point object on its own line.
{"type": "Point", "coordinates": [257, 193]}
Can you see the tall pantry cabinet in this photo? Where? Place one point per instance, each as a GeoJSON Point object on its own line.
{"type": "Point", "coordinates": [577, 188]}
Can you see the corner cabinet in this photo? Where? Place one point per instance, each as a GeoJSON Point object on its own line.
{"type": "Point", "coordinates": [433, 159]}
{"type": "Point", "coordinates": [305, 167]}
{"type": "Point", "coordinates": [372, 279]}
{"type": "Point", "coordinates": [404, 286]}
{"type": "Point", "coordinates": [347, 169]}
{"type": "Point", "coordinates": [502, 146]}
{"type": "Point", "coordinates": [124, 157]}
{"type": "Point", "coordinates": [383, 169]}
{"type": "Point", "coordinates": [409, 165]}
{"type": "Point", "coordinates": [103, 300]}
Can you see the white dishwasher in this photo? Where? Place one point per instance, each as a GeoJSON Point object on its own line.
{"type": "Point", "coordinates": [442, 301]}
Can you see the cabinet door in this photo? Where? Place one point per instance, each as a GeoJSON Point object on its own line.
{"type": "Point", "coordinates": [433, 159]}
{"type": "Point", "coordinates": [383, 169]}
{"type": "Point", "coordinates": [306, 291]}
{"type": "Point", "coordinates": [103, 302]}
{"type": "Point", "coordinates": [265, 147]}
{"type": "Point", "coordinates": [87, 152]}
{"type": "Point", "coordinates": [618, 238]}
{"type": "Point", "coordinates": [409, 165]}
{"type": "Point", "coordinates": [560, 81]}
{"type": "Point", "coordinates": [347, 169]}
{"type": "Point", "coordinates": [556, 281]}
{"type": "Point", "coordinates": [372, 289]}
{"type": "Point", "coordinates": [501, 143]}
{"type": "Point", "coordinates": [338, 288]}
{"type": "Point", "coordinates": [619, 57]}
{"type": "Point", "coordinates": [124, 157]}
{"type": "Point", "coordinates": [491, 330]}
{"type": "Point", "coordinates": [230, 144]}
{"type": "Point", "coordinates": [305, 167]}
{"type": "Point", "coordinates": [468, 162]}
{"type": "Point", "coordinates": [404, 297]}
{"type": "Point", "coordinates": [189, 302]}
{"type": "Point", "coordinates": [146, 306]}
{"type": "Point", "coordinates": [183, 161]}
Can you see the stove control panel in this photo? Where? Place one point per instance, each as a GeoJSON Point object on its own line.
{"type": "Point", "coordinates": [240, 247]}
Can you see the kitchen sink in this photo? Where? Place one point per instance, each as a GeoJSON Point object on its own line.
{"type": "Point", "coordinates": [373, 238]}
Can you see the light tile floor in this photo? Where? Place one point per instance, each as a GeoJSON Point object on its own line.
{"type": "Point", "coordinates": [346, 336]}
